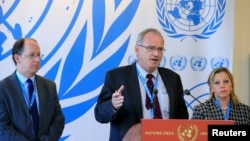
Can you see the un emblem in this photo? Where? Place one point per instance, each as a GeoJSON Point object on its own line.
{"type": "Point", "coordinates": [178, 62]}
{"type": "Point", "coordinates": [187, 132]}
{"type": "Point", "coordinates": [219, 62]}
{"type": "Point", "coordinates": [198, 63]}
{"type": "Point", "coordinates": [197, 19]}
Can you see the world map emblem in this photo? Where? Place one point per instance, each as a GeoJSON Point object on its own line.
{"type": "Point", "coordinates": [198, 63]}
{"type": "Point", "coordinates": [178, 62]}
{"type": "Point", "coordinates": [197, 19]}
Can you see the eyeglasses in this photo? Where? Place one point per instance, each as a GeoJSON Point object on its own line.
{"type": "Point", "coordinates": [152, 48]}
{"type": "Point", "coordinates": [33, 56]}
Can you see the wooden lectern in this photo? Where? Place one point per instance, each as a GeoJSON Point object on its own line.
{"type": "Point", "coordinates": [134, 133]}
{"type": "Point", "coordinates": [172, 129]}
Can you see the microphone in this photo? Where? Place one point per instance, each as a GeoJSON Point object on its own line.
{"type": "Point", "coordinates": [187, 92]}
{"type": "Point", "coordinates": [155, 91]}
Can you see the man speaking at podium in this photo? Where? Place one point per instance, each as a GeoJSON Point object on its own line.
{"type": "Point", "coordinates": [142, 90]}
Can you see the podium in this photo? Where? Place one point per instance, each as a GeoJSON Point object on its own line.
{"type": "Point", "coordinates": [172, 129]}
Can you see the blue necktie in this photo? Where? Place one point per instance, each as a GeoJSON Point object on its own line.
{"type": "Point", "coordinates": [33, 109]}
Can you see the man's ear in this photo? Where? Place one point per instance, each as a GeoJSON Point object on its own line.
{"type": "Point", "coordinates": [17, 57]}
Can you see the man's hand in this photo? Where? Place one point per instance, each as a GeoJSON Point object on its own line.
{"type": "Point", "coordinates": [118, 98]}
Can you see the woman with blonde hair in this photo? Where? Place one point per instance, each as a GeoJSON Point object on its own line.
{"type": "Point", "coordinates": [222, 103]}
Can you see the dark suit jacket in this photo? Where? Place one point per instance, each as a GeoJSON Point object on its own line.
{"type": "Point", "coordinates": [131, 111]}
{"type": "Point", "coordinates": [15, 120]}
{"type": "Point", "coordinates": [208, 110]}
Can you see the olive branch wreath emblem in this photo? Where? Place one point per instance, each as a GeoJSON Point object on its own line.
{"type": "Point", "coordinates": [209, 29]}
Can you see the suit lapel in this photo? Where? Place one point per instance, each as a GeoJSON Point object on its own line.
{"type": "Point", "coordinates": [40, 96]}
{"type": "Point", "coordinates": [134, 93]}
{"type": "Point", "coordinates": [16, 87]}
{"type": "Point", "coordinates": [166, 79]}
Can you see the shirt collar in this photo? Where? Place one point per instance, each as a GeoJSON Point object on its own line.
{"type": "Point", "coordinates": [144, 72]}
{"type": "Point", "coordinates": [22, 78]}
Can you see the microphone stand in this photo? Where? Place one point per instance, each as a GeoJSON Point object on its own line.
{"type": "Point", "coordinates": [155, 93]}
{"type": "Point", "coordinates": [187, 92]}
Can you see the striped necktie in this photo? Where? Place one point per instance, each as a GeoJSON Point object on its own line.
{"type": "Point", "coordinates": [156, 106]}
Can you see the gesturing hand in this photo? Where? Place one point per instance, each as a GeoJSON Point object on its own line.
{"type": "Point", "coordinates": [118, 98]}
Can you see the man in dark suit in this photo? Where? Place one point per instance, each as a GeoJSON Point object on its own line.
{"type": "Point", "coordinates": [123, 96]}
{"type": "Point", "coordinates": [18, 104]}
